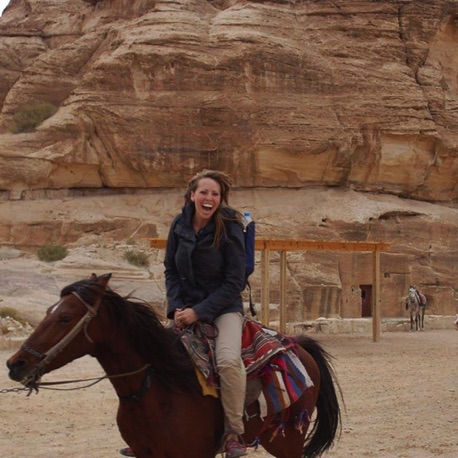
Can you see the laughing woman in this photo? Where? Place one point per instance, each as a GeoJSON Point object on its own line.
{"type": "Point", "coordinates": [205, 276]}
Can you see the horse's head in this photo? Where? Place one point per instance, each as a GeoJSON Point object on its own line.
{"type": "Point", "coordinates": [412, 295]}
{"type": "Point", "coordinates": [63, 335]}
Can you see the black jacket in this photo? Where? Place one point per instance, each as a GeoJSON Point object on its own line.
{"type": "Point", "coordinates": [198, 275]}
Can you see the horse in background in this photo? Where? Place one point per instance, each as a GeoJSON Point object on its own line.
{"type": "Point", "coordinates": [422, 299]}
{"type": "Point", "coordinates": [417, 312]}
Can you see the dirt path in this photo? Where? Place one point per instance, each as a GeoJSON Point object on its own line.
{"type": "Point", "coordinates": [401, 398]}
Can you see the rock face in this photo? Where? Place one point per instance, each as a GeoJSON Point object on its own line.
{"type": "Point", "coordinates": [290, 97]}
{"type": "Point", "coordinates": [288, 93]}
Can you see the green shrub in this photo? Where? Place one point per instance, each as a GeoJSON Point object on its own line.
{"type": "Point", "coordinates": [12, 313]}
{"type": "Point", "coordinates": [137, 258]}
{"type": "Point", "coordinates": [28, 117]}
{"type": "Point", "coordinates": [51, 253]}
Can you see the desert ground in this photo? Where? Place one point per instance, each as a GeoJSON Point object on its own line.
{"type": "Point", "coordinates": [400, 394]}
{"type": "Point", "coordinates": [400, 398]}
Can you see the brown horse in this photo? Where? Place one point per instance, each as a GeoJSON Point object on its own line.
{"type": "Point", "coordinates": [162, 412]}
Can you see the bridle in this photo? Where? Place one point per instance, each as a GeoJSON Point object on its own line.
{"type": "Point", "coordinates": [47, 357]}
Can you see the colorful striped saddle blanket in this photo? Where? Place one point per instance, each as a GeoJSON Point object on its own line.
{"type": "Point", "coordinates": [267, 355]}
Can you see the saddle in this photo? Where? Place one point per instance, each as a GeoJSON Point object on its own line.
{"type": "Point", "coordinates": [276, 378]}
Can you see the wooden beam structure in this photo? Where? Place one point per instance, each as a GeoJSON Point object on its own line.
{"type": "Point", "coordinates": [265, 282]}
{"type": "Point", "coordinates": [376, 304]}
{"type": "Point", "coordinates": [283, 246]}
{"type": "Point", "coordinates": [157, 243]}
{"type": "Point", "coordinates": [319, 245]}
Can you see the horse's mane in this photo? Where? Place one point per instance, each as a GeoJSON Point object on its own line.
{"type": "Point", "coordinates": [138, 321]}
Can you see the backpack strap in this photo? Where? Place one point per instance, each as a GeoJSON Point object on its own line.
{"type": "Point", "coordinates": [252, 307]}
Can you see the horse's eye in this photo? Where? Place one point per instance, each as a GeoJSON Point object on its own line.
{"type": "Point", "coordinates": [64, 319]}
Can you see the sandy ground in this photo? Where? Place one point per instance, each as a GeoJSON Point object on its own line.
{"type": "Point", "coordinates": [400, 393]}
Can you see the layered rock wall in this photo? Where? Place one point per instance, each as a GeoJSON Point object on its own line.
{"type": "Point", "coordinates": [301, 93]}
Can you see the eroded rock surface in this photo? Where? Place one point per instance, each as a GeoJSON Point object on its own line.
{"type": "Point", "coordinates": [293, 94]}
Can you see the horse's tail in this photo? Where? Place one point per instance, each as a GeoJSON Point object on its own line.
{"type": "Point", "coordinates": [327, 424]}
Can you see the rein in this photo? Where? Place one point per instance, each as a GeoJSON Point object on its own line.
{"type": "Point", "coordinates": [31, 381]}
{"type": "Point", "coordinates": [95, 380]}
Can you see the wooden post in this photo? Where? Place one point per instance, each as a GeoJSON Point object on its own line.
{"type": "Point", "coordinates": [376, 318]}
{"type": "Point", "coordinates": [265, 299]}
{"type": "Point", "coordinates": [283, 318]}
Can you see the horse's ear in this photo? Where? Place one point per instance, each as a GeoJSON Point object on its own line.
{"type": "Point", "coordinates": [93, 276]}
{"type": "Point", "coordinates": [103, 280]}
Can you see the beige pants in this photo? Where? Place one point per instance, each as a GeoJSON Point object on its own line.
{"type": "Point", "coordinates": [231, 370]}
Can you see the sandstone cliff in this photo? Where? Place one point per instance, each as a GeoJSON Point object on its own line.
{"type": "Point", "coordinates": [357, 95]}
{"type": "Point", "coordinates": [287, 93]}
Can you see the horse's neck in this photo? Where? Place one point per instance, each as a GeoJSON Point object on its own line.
{"type": "Point", "coordinates": [119, 358]}
{"type": "Point", "coordinates": [413, 301]}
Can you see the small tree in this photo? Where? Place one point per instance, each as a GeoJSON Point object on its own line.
{"type": "Point", "coordinates": [50, 253]}
{"type": "Point", "coordinates": [137, 258]}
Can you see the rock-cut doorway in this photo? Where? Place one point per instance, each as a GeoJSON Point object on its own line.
{"type": "Point", "coordinates": [366, 301]}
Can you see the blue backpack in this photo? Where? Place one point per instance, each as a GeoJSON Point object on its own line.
{"type": "Point", "coordinates": [249, 230]}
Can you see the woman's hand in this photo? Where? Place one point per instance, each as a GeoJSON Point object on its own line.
{"type": "Point", "coordinates": [185, 317]}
